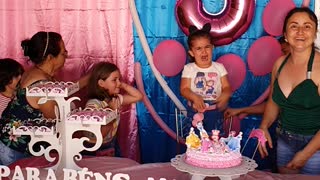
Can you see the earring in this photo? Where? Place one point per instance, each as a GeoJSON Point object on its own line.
{"type": "Point", "coordinates": [285, 40]}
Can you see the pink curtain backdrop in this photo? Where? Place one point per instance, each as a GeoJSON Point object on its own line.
{"type": "Point", "coordinates": [93, 30]}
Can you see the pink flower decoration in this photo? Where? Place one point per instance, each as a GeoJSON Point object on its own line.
{"type": "Point", "coordinates": [198, 117]}
{"type": "Point", "coordinates": [258, 133]}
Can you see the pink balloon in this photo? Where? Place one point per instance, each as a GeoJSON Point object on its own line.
{"type": "Point", "coordinates": [236, 69]}
{"type": "Point", "coordinates": [198, 117]}
{"type": "Point", "coordinates": [169, 57]}
{"type": "Point", "coordinates": [226, 26]}
{"type": "Point", "coordinates": [305, 3]}
{"type": "Point", "coordinates": [274, 15]}
{"type": "Point", "coordinates": [262, 55]}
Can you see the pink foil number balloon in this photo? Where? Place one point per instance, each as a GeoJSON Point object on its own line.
{"type": "Point", "coordinates": [226, 26]}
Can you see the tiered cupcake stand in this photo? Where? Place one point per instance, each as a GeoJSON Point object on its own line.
{"type": "Point", "coordinates": [60, 136]}
{"type": "Point", "coordinates": [198, 173]}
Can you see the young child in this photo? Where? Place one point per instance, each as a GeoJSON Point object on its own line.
{"type": "Point", "coordinates": [104, 92]}
{"type": "Point", "coordinates": [204, 83]}
{"type": "Point", "coordinates": [10, 75]}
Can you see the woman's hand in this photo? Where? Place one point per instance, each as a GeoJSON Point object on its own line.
{"type": "Point", "coordinates": [263, 149]}
{"type": "Point", "coordinates": [298, 161]}
{"type": "Point", "coordinates": [230, 112]}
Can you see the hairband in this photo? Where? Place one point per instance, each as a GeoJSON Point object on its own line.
{"type": "Point", "coordinates": [47, 43]}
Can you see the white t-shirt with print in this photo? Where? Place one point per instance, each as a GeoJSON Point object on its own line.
{"type": "Point", "coordinates": [205, 82]}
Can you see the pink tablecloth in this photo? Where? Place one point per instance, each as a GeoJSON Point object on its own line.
{"type": "Point", "coordinates": [138, 171]}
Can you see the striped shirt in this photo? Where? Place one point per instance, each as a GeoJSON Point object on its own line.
{"type": "Point", "coordinates": [4, 101]}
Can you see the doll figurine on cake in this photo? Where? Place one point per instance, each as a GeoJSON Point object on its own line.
{"type": "Point", "coordinates": [214, 152]}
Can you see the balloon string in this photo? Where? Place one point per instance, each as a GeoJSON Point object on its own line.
{"type": "Point", "coordinates": [255, 150]}
{"type": "Point", "coordinates": [245, 144]}
{"type": "Point", "coordinates": [147, 51]}
{"type": "Point", "coordinates": [230, 126]}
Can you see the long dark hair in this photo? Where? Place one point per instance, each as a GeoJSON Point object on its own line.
{"type": "Point", "coordinates": [41, 45]}
{"type": "Point", "coordinates": [9, 69]}
{"type": "Point", "coordinates": [101, 70]}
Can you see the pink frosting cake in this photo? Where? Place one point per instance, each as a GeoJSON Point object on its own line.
{"type": "Point", "coordinates": [212, 160]}
{"type": "Point", "coordinates": [213, 152]}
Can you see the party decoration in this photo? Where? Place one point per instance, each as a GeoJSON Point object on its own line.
{"type": "Point", "coordinates": [198, 117]}
{"type": "Point", "coordinates": [262, 55]}
{"type": "Point", "coordinates": [274, 15]}
{"type": "Point", "coordinates": [226, 26]}
{"type": "Point", "coordinates": [306, 3]}
{"type": "Point", "coordinates": [147, 103]}
{"type": "Point", "coordinates": [169, 57]}
{"type": "Point", "coordinates": [258, 133]}
{"type": "Point", "coordinates": [146, 49]}
{"type": "Point", "coordinates": [236, 69]}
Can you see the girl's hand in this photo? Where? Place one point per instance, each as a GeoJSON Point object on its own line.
{"type": "Point", "coordinates": [123, 85]}
{"type": "Point", "coordinates": [263, 149]}
{"type": "Point", "coordinates": [222, 102]}
{"type": "Point", "coordinates": [198, 104]}
{"type": "Point", "coordinates": [113, 103]}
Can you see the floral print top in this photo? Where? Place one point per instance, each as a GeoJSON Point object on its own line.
{"type": "Point", "coordinates": [19, 112]}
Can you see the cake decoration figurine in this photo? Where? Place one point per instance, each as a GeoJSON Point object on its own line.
{"type": "Point", "coordinates": [205, 144]}
{"type": "Point", "coordinates": [212, 151]}
{"type": "Point", "coordinates": [192, 140]}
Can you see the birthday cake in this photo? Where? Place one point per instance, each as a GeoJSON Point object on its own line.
{"type": "Point", "coordinates": [214, 152]}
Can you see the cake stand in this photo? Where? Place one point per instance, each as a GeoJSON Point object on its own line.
{"type": "Point", "coordinates": [199, 173]}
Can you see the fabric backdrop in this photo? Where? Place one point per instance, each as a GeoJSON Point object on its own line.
{"type": "Point", "coordinates": [93, 30]}
{"type": "Point", "coordinates": [101, 30]}
{"type": "Point", "coordinates": [159, 24]}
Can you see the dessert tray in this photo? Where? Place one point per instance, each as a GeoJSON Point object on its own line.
{"type": "Point", "coordinates": [37, 127]}
{"type": "Point", "coordinates": [52, 89]}
{"type": "Point", "coordinates": [91, 116]}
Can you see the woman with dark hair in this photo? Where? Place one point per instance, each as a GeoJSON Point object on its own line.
{"type": "Point", "coordinates": [46, 50]}
{"type": "Point", "coordinates": [295, 97]}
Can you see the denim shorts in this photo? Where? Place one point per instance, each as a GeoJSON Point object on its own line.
{"type": "Point", "coordinates": [8, 155]}
{"type": "Point", "coordinates": [289, 144]}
